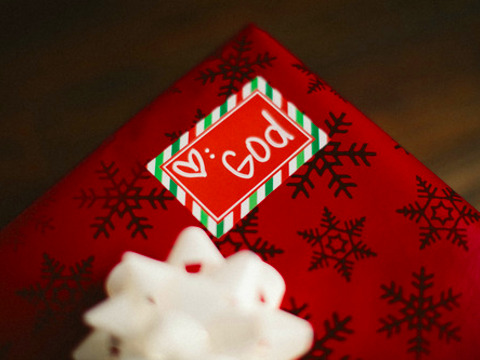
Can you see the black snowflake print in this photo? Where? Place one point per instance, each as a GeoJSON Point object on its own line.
{"type": "Point", "coordinates": [123, 198]}
{"type": "Point", "coordinates": [12, 237]}
{"type": "Point", "coordinates": [14, 234]}
{"type": "Point", "coordinates": [419, 313]}
{"type": "Point", "coordinates": [335, 329]}
{"type": "Point", "coordinates": [43, 223]}
{"type": "Point", "coordinates": [338, 243]}
{"type": "Point", "coordinates": [243, 236]}
{"type": "Point", "coordinates": [337, 124]}
{"type": "Point", "coordinates": [59, 292]}
{"type": "Point", "coordinates": [330, 159]}
{"type": "Point", "coordinates": [175, 135]}
{"type": "Point", "coordinates": [36, 215]}
{"type": "Point", "coordinates": [300, 310]}
{"type": "Point", "coordinates": [400, 147]}
{"type": "Point", "coordinates": [236, 65]}
{"type": "Point", "coordinates": [441, 215]}
{"type": "Point", "coordinates": [315, 84]}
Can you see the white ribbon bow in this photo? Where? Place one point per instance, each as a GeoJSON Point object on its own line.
{"type": "Point", "coordinates": [227, 310]}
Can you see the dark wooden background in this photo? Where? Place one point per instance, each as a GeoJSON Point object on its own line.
{"type": "Point", "coordinates": [71, 72]}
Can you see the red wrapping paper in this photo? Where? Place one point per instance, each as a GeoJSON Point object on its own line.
{"type": "Point", "coordinates": [379, 254]}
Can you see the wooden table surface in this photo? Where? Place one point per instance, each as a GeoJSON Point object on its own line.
{"type": "Point", "coordinates": [71, 72]}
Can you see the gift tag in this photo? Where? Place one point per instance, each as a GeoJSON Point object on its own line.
{"type": "Point", "coordinates": [236, 156]}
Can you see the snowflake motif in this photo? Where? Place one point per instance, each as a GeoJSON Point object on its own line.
{"type": "Point", "coordinates": [337, 243]}
{"type": "Point", "coordinates": [14, 234]}
{"type": "Point", "coordinates": [420, 313]}
{"type": "Point", "coordinates": [440, 214]}
{"type": "Point", "coordinates": [235, 67]}
{"type": "Point", "coordinates": [122, 198]}
{"type": "Point", "coordinates": [36, 215]}
{"type": "Point", "coordinates": [43, 223]}
{"type": "Point", "coordinates": [240, 238]}
{"type": "Point", "coordinates": [175, 135]}
{"type": "Point", "coordinates": [315, 84]}
{"type": "Point", "coordinates": [335, 330]}
{"type": "Point", "coordinates": [400, 147]}
{"type": "Point", "coordinates": [329, 159]}
{"type": "Point", "coordinates": [60, 291]}
{"type": "Point", "coordinates": [297, 310]}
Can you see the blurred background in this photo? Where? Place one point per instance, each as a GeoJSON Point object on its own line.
{"type": "Point", "coordinates": [72, 72]}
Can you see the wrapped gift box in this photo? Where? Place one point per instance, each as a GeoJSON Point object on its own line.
{"type": "Point", "coordinates": [378, 253]}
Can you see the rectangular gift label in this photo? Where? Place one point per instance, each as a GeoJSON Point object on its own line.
{"type": "Point", "coordinates": [237, 155]}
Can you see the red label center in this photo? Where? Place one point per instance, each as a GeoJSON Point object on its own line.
{"type": "Point", "coordinates": [237, 155]}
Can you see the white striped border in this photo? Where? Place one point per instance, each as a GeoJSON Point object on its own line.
{"type": "Point", "coordinates": [258, 84]}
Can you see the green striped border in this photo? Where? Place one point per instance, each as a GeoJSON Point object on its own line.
{"type": "Point", "coordinates": [259, 84]}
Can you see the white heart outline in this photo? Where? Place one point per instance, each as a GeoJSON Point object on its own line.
{"type": "Point", "coordinates": [198, 171]}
